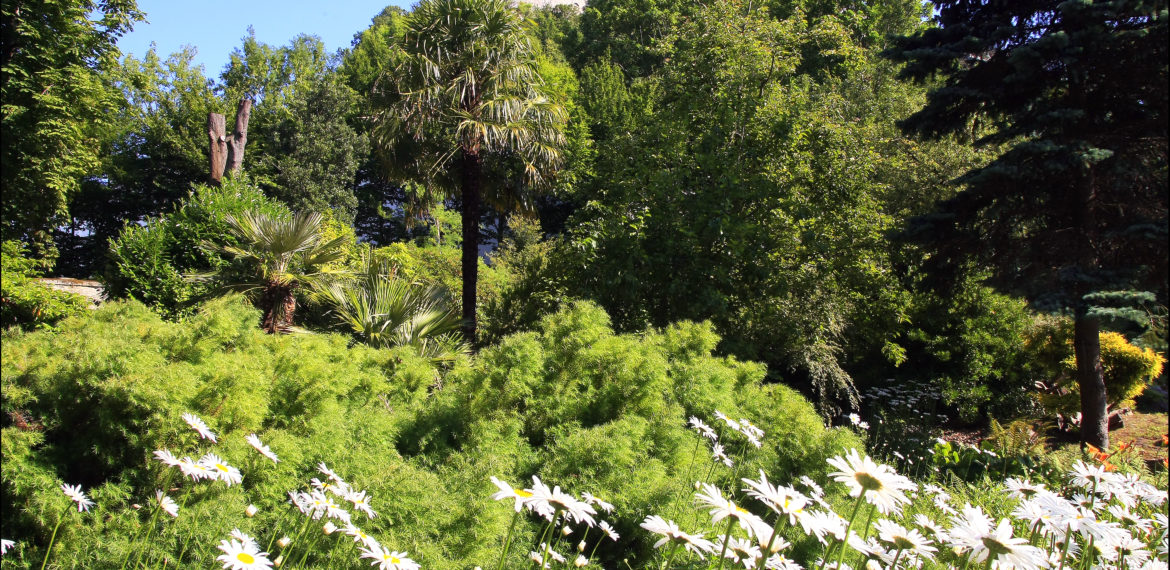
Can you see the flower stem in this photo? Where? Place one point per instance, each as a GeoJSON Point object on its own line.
{"type": "Point", "coordinates": [670, 557]}
{"type": "Point", "coordinates": [149, 531]}
{"type": "Point", "coordinates": [52, 539]}
{"type": "Point", "coordinates": [726, 539]}
{"type": "Point", "coordinates": [508, 540]}
{"type": "Point", "coordinates": [768, 549]}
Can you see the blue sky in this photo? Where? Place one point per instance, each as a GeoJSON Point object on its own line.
{"type": "Point", "coordinates": [216, 27]}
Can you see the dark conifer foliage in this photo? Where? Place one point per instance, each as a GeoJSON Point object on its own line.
{"type": "Point", "coordinates": [1076, 205]}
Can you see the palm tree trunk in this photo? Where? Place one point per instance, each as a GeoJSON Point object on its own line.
{"type": "Point", "coordinates": [471, 179]}
{"type": "Point", "coordinates": [279, 304]}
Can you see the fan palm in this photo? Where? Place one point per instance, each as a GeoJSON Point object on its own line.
{"type": "Point", "coordinates": [384, 311]}
{"type": "Point", "coordinates": [285, 254]}
{"type": "Point", "coordinates": [466, 86]}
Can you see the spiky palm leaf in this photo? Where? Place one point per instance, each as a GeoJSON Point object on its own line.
{"type": "Point", "coordinates": [285, 254]}
{"type": "Point", "coordinates": [384, 311]}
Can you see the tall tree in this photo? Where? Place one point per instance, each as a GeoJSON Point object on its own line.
{"type": "Point", "coordinates": [301, 147]}
{"type": "Point", "coordinates": [1075, 209]}
{"type": "Point", "coordinates": [54, 101]}
{"type": "Point", "coordinates": [467, 90]}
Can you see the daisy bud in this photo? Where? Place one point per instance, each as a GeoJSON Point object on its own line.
{"type": "Point", "coordinates": [581, 546]}
{"type": "Point", "coordinates": [329, 528]}
{"type": "Point", "coordinates": [566, 531]}
{"type": "Point", "coordinates": [278, 562]}
{"type": "Point", "coordinates": [136, 506]}
{"type": "Point", "coordinates": [580, 561]}
{"type": "Point", "coordinates": [284, 542]}
{"type": "Point", "coordinates": [250, 511]}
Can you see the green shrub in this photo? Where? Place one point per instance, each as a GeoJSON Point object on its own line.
{"type": "Point", "coordinates": [149, 262]}
{"type": "Point", "coordinates": [26, 303]}
{"type": "Point", "coordinates": [571, 402]}
{"type": "Point", "coordinates": [1127, 368]}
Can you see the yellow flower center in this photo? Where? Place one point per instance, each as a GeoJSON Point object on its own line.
{"type": "Point", "coordinates": [221, 467]}
{"type": "Point", "coordinates": [867, 481]}
{"type": "Point", "coordinates": [522, 493]}
{"type": "Point", "coordinates": [245, 558]}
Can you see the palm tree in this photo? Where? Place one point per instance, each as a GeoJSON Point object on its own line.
{"type": "Point", "coordinates": [466, 86]}
{"type": "Point", "coordinates": [285, 254]}
{"type": "Point", "coordinates": [384, 311]}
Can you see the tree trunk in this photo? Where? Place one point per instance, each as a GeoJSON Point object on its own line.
{"type": "Point", "coordinates": [471, 177]}
{"type": "Point", "coordinates": [219, 147]}
{"type": "Point", "coordinates": [280, 304]}
{"type": "Point", "coordinates": [1086, 330]}
{"type": "Point", "coordinates": [1090, 379]}
{"type": "Point", "coordinates": [235, 151]}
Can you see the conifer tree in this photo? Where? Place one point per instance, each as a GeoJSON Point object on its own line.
{"type": "Point", "coordinates": [1074, 210]}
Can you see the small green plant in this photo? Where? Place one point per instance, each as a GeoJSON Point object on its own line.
{"type": "Point", "coordinates": [26, 303]}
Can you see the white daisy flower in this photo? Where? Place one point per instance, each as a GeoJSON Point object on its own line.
{"type": "Point", "coordinates": [5, 544]}
{"type": "Point", "coordinates": [238, 555]}
{"type": "Point", "coordinates": [361, 502]}
{"type": "Point", "coordinates": [195, 470]}
{"type": "Point", "coordinates": [223, 471]}
{"type": "Point", "coordinates": [703, 429]}
{"type": "Point", "coordinates": [166, 503]}
{"type": "Point", "coordinates": [721, 508]}
{"type": "Point", "coordinates": [386, 559]}
{"type": "Point", "coordinates": [1088, 476]}
{"type": "Point", "coordinates": [899, 538]}
{"type": "Point", "coordinates": [780, 562]}
{"type": "Point", "coordinates": [881, 486]}
{"type": "Point", "coordinates": [360, 536]}
{"type": "Point", "coordinates": [329, 473]}
{"type": "Point", "coordinates": [814, 489]}
{"type": "Point", "coordinates": [242, 537]}
{"type": "Point", "coordinates": [748, 428]}
{"type": "Point", "coordinates": [593, 500]}
{"type": "Point", "coordinates": [506, 491]}
{"type": "Point", "coordinates": [734, 425]}
{"type": "Point", "coordinates": [742, 551]}
{"type": "Point", "coordinates": [671, 533]}
{"type": "Point", "coordinates": [608, 530]}
{"type": "Point", "coordinates": [581, 561]}
{"type": "Point", "coordinates": [167, 458]}
{"type": "Point", "coordinates": [718, 454]}
{"type": "Point", "coordinates": [254, 441]}
{"type": "Point", "coordinates": [77, 496]}
{"type": "Point", "coordinates": [973, 532]}
{"type": "Point", "coordinates": [783, 500]}
{"type": "Point", "coordinates": [201, 428]}
{"type": "Point", "coordinates": [547, 502]}
{"type": "Point", "coordinates": [822, 523]}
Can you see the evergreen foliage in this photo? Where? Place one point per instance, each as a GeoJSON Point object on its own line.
{"type": "Point", "coordinates": [1076, 204]}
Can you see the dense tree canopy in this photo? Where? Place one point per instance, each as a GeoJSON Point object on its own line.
{"type": "Point", "coordinates": [1076, 206]}
{"type": "Point", "coordinates": [739, 162]}
{"type": "Point", "coordinates": [55, 104]}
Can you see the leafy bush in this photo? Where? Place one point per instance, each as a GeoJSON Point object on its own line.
{"type": "Point", "coordinates": [26, 303]}
{"type": "Point", "coordinates": [571, 402]}
{"type": "Point", "coordinates": [1127, 369]}
{"type": "Point", "coordinates": [149, 262]}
